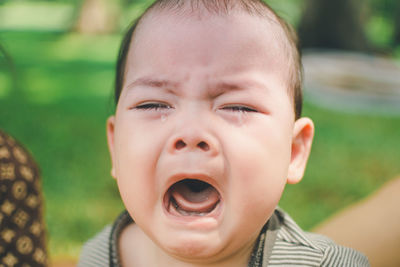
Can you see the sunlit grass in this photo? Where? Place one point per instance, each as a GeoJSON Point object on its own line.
{"type": "Point", "coordinates": [50, 67]}
{"type": "Point", "coordinates": [58, 109]}
{"type": "Point", "coordinates": [289, 10]}
{"type": "Point", "coordinates": [379, 31]}
{"type": "Point", "coordinates": [352, 156]}
{"type": "Point", "coordinates": [36, 15]}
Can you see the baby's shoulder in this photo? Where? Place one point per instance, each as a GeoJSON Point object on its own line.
{"type": "Point", "coordinates": [96, 251]}
{"type": "Point", "coordinates": [295, 247]}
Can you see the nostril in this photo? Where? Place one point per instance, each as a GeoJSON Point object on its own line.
{"type": "Point", "coordinates": [180, 144]}
{"type": "Point", "coordinates": [204, 146]}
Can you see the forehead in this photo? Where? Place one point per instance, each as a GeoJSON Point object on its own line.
{"type": "Point", "coordinates": [177, 44]}
{"type": "Point", "coordinates": [205, 37]}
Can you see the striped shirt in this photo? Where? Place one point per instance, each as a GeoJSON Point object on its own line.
{"type": "Point", "coordinates": [281, 243]}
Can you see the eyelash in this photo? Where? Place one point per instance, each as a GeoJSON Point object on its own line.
{"type": "Point", "coordinates": [152, 106]}
{"type": "Point", "coordinates": [162, 106]}
{"type": "Point", "coordinates": [239, 109]}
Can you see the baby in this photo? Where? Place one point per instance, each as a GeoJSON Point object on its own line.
{"type": "Point", "coordinates": [206, 134]}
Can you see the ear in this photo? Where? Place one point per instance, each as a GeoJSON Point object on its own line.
{"type": "Point", "coordinates": [110, 141]}
{"type": "Point", "coordinates": [303, 133]}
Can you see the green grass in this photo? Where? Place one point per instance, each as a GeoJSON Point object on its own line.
{"type": "Point", "coordinates": [352, 156]}
{"type": "Point", "coordinates": [58, 106]}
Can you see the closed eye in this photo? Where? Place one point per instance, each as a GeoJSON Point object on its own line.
{"type": "Point", "coordinates": [238, 108]}
{"type": "Point", "coordinates": [152, 106]}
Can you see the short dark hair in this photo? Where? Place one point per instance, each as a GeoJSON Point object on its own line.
{"type": "Point", "coordinates": [253, 7]}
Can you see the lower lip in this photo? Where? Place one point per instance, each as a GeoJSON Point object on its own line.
{"type": "Point", "coordinates": [199, 222]}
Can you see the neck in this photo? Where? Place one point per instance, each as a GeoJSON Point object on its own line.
{"type": "Point", "coordinates": [137, 249]}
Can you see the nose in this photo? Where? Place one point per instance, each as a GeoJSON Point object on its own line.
{"type": "Point", "coordinates": [202, 145]}
{"type": "Point", "coordinates": [193, 139]}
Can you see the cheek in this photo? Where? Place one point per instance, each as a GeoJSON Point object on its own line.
{"type": "Point", "coordinates": [257, 182]}
{"type": "Point", "coordinates": [259, 151]}
{"type": "Point", "coordinates": [258, 163]}
{"type": "Point", "coordinates": [136, 156]}
{"type": "Point", "coordinates": [136, 145]}
{"type": "Point", "coordinates": [256, 192]}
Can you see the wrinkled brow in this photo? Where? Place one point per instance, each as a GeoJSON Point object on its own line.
{"type": "Point", "coordinates": [213, 90]}
{"type": "Point", "coordinates": [223, 87]}
{"type": "Point", "coordinates": [151, 82]}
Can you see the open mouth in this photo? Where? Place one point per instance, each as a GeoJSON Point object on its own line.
{"type": "Point", "coordinates": [191, 197]}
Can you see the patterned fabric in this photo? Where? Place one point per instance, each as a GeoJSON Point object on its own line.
{"type": "Point", "coordinates": [281, 243]}
{"type": "Point", "coordinates": [22, 233]}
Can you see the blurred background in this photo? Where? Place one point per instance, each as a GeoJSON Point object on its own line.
{"type": "Point", "coordinates": [56, 81]}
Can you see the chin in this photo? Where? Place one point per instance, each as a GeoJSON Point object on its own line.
{"type": "Point", "coordinates": [190, 244]}
{"type": "Point", "coordinates": [194, 249]}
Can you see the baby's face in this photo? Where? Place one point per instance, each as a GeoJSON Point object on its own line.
{"type": "Point", "coordinates": [202, 137]}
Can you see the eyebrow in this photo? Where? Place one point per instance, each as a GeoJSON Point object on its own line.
{"type": "Point", "coordinates": [222, 87]}
{"type": "Point", "coordinates": [151, 82]}
{"type": "Point", "coordinates": [213, 90]}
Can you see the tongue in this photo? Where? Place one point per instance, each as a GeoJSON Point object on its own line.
{"type": "Point", "coordinates": [190, 200]}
